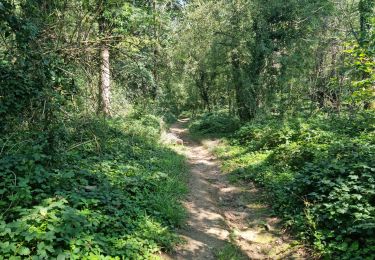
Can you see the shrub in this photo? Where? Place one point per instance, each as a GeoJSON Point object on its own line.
{"type": "Point", "coordinates": [169, 117]}
{"type": "Point", "coordinates": [214, 123]}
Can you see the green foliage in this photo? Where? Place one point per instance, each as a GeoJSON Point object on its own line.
{"type": "Point", "coordinates": [169, 117]}
{"type": "Point", "coordinates": [214, 123]}
{"type": "Point", "coordinates": [111, 190]}
{"type": "Point", "coordinates": [320, 172]}
{"type": "Point", "coordinates": [360, 65]}
{"type": "Point", "coordinates": [248, 55]}
{"type": "Point", "coordinates": [75, 186]}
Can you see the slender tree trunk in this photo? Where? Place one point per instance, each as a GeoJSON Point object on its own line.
{"type": "Point", "coordinates": [240, 93]}
{"type": "Point", "coordinates": [156, 51]}
{"type": "Point", "coordinates": [204, 89]}
{"type": "Point", "coordinates": [105, 82]}
{"type": "Point", "coordinates": [104, 105]}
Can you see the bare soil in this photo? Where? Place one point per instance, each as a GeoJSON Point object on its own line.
{"type": "Point", "coordinates": [220, 212]}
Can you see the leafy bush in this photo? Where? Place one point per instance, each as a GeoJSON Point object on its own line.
{"type": "Point", "coordinates": [320, 172]}
{"type": "Point", "coordinates": [169, 117]}
{"type": "Point", "coordinates": [214, 123]}
{"type": "Point", "coordinates": [111, 190]}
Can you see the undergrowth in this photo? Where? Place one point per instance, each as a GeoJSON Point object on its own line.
{"type": "Point", "coordinates": [320, 173]}
{"type": "Point", "coordinates": [110, 190]}
{"type": "Point", "coordinates": [219, 123]}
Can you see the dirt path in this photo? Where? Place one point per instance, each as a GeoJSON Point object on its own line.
{"type": "Point", "coordinates": [226, 220]}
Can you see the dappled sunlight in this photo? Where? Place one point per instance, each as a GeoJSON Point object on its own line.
{"type": "Point", "coordinates": [206, 228]}
{"type": "Point", "coordinates": [245, 128]}
{"type": "Point", "coordinates": [219, 212]}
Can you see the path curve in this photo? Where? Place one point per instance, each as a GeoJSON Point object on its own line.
{"type": "Point", "coordinates": [220, 213]}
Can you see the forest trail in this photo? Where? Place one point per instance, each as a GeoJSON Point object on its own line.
{"type": "Point", "coordinates": [221, 213]}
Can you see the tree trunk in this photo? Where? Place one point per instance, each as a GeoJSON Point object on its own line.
{"type": "Point", "coordinates": [240, 93]}
{"type": "Point", "coordinates": [156, 51]}
{"type": "Point", "coordinates": [104, 104]}
{"type": "Point", "coordinates": [204, 89]}
{"type": "Point", "coordinates": [105, 83]}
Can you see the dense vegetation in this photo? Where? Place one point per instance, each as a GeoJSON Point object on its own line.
{"type": "Point", "coordinates": [81, 178]}
{"type": "Point", "coordinates": [112, 190]}
{"type": "Point", "coordinates": [87, 87]}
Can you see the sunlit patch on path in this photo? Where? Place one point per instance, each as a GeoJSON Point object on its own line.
{"type": "Point", "coordinates": [222, 214]}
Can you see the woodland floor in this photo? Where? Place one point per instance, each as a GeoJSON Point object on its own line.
{"type": "Point", "coordinates": [226, 220]}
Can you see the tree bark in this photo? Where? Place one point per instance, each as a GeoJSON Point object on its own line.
{"type": "Point", "coordinates": [104, 104]}
{"type": "Point", "coordinates": [105, 82]}
{"type": "Point", "coordinates": [156, 52]}
{"type": "Point", "coordinates": [243, 110]}
{"type": "Point", "coordinates": [204, 89]}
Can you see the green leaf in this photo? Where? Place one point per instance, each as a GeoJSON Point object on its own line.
{"type": "Point", "coordinates": [43, 212]}
{"type": "Point", "coordinates": [354, 246]}
{"type": "Point", "coordinates": [24, 251]}
{"type": "Point", "coordinates": [61, 256]}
